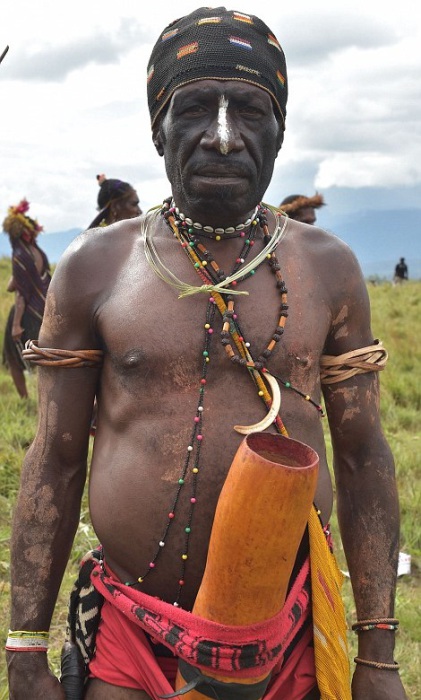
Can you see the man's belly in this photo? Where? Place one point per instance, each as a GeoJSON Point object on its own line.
{"type": "Point", "coordinates": [152, 500]}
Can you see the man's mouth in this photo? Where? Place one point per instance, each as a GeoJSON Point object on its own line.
{"type": "Point", "coordinates": [221, 172]}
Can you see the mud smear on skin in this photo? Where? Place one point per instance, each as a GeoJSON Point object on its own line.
{"type": "Point", "coordinates": [38, 511]}
{"type": "Point", "coordinates": [340, 321]}
{"type": "Point", "coordinates": [377, 541]}
{"type": "Point", "coordinates": [179, 373]}
{"type": "Point", "coordinates": [301, 373]}
{"type": "Point", "coordinates": [53, 322]}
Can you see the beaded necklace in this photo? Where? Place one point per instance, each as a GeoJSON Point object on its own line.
{"type": "Point", "coordinates": [209, 271]}
{"type": "Point", "coordinates": [217, 233]}
{"type": "Point", "coordinates": [212, 275]}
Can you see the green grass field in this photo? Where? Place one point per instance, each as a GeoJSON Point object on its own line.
{"type": "Point", "coordinates": [397, 322]}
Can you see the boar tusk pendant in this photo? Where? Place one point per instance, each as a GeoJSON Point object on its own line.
{"type": "Point", "coordinates": [272, 413]}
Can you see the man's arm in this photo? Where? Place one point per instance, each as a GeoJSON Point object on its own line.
{"type": "Point", "coordinates": [52, 481]}
{"type": "Point", "coordinates": [20, 306]}
{"type": "Point", "coordinates": [367, 501]}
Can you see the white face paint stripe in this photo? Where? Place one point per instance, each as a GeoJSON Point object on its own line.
{"type": "Point", "coordinates": [223, 126]}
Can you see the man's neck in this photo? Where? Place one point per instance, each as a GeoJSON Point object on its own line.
{"type": "Point", "coordinates": [211, 219]}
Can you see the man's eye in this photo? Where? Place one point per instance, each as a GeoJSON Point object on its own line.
{"type": "Point", "coordinates": [249, 111]}
{"type": "Point", "coordinates": [193, 109]}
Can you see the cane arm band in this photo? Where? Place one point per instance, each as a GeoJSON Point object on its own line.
{"type": "Point", "coordinates": [379, 623]}
{"type": "Point", "coordinates": [50, 357]}
{"type": "Point", "coordinates": [337, 368]}
{"type": "Point", "coordinates": [377, 664]}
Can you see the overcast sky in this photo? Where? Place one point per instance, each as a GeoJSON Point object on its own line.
{"type": "Point", "coordinates": [73, 100]}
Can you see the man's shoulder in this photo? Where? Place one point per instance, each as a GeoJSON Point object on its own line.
{"type": "Point", "coordinates": [95, 257]}
{"type": "Point", "coordinates": [109, 240]}
{"type": "Point", "coordinates": [315, 239]}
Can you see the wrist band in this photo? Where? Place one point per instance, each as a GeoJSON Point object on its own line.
{"type": "Point", "coordinates": [381, 623]}
{"type": "Point", "coordinates": [23, 640]}
{"type": "Point", "coordinates": [377, 664]}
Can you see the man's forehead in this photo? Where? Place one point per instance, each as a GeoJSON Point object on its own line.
{"type": "Point", "coordinates": [209, 88]}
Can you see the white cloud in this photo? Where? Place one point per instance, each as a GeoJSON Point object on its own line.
{"type": "Point", "coordinates": [73, 96]}
{"type": "Point", "coordinates": [365, 170]}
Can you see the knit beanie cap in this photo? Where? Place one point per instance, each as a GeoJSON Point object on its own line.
{"type": "Point", "coordinates": [220, 44]}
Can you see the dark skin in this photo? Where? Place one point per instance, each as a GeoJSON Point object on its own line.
{"type": "Point", "coordinates": [126, 207]}
{"type": "Point", "coordinates": [307, 215]}
{"type": "Point", "coordinates": [147, 390]}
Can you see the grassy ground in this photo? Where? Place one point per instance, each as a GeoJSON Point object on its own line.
{"type": "Point", "coordinates": [397, 322]}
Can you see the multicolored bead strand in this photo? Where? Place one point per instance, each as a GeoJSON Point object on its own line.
{"type": "Point", "coordinates": [192, 456]}
{"type": "Point", "coordinates": [212, 273]}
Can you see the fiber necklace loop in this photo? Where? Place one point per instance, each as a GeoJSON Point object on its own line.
{"type": "Point", "coordinates": [218, 285]}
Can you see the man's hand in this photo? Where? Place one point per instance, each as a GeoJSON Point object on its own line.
{"type": "Point", "coordinates": [29, 676]}
{"type": "Point", "coordinates": [376, 684]}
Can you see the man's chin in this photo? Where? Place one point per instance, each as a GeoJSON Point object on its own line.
{"type": "Point", "coordinates": [221, 192]}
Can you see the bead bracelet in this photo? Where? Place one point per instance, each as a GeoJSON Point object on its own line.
{"type": "Point", "coordinates": [380, 665]}
{"type": "Point", "coordinates": [23, 640]}
{"type": "Point", "coordinates": [381, 623]}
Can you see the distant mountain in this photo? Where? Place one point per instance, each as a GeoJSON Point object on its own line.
{"type": "Point", "coordinates": [380, 238]}
{"type": "Point", "coordinates": [53, 244]}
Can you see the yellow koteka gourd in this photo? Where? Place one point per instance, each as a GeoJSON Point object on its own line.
{"type": "Point", "coordinates": [259, 523]}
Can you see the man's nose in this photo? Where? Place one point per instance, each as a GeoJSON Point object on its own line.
{"type": "Point", "coordinates": [223, 133]}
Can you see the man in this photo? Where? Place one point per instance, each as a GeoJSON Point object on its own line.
{"type": "Point", "coordinates": [401, 271]}
{"type": "Point", "coordinates": [169, 394]}
{"type": "Point", "coordinates": [302, 208]}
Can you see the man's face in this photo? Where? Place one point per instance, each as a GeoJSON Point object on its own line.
{"type": "Point", "coordinates": [220, 140]}
{"type": "Point", "coordinates": [125, 208]}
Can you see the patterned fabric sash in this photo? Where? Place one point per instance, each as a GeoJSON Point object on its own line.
{"type": "Point", "coordinates": [207, 645]}
{"type": "Point", "coordinates": [237, 652]}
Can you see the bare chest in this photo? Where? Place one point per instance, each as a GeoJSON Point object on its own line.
{"type": "Point", "coordinates": [150, 334]}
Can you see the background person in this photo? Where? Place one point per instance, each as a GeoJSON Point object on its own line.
{"type": "Point", "coordinates": [302, 208]}
{"type": "Point", "coordinates": [183, 360]}
{"type": "Point", "coordinates": [117, 200]}
{"type": "Point", "coordinates": [401, 272]}
{"type": "Point", "coordinates": [29, 283]}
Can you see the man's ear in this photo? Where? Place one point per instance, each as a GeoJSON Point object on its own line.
{"type": "Point", "coordinates": [114, 212]}
{"type": "Point", "coordinates": [280, 139]}
{"type": "Point", "coordinates": [157, 139]}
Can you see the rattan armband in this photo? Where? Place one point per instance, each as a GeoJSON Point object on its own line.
{"type": "Point", "coordinates": [337, 368]}
{"type": "Point", "coordinates": [50, 357]}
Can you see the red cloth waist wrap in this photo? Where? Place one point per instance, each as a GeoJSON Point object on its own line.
{"type": "Point", "coordinates": [237, 652]}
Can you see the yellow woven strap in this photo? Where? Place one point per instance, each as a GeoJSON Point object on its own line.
{"type": "Point", "coordinates": [337, 368]}
{"type": "Point", "coordinates": [329, 623]}
{"type": "Point", "coordinates": [50, 357]}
